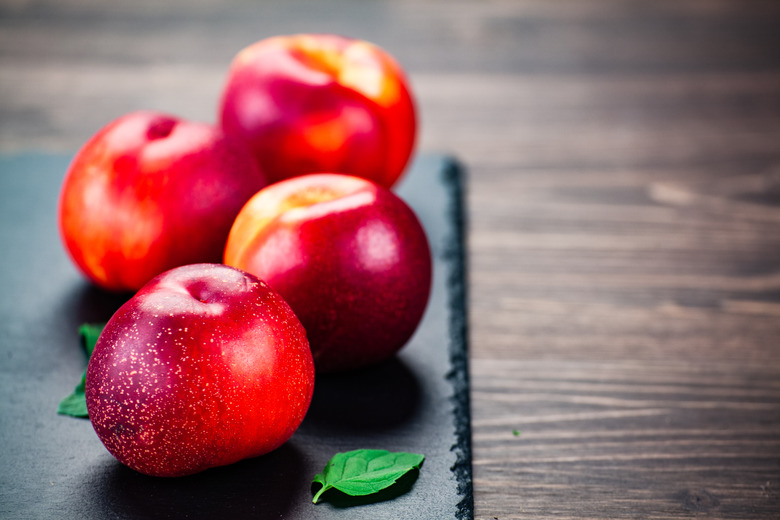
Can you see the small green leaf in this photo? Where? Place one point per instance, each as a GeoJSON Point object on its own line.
{"type": "Point", "coordinates": [89, 334]}
{"type": "Point", "coordinates": [75, 404]}
{"type": "Point", "coordinates": [516, 433]}
{"type": "Point", "coordinates": [365, 472]}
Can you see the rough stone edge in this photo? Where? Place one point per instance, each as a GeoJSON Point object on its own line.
{"type": "Point", "coordinates": [455, 253]}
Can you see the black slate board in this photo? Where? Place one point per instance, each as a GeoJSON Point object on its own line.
{"type": "Point", "coordinates": [53, 466]}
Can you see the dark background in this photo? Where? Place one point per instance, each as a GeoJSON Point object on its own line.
{"type": "Point", "coordinates": [623, 162]}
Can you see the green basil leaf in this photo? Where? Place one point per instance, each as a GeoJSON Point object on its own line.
{"type": "Point", "coordinates": [89, 334]}
{"type": "Point", "coordinates": [75, 404]}
{"type": "Point", "coordinates": [365, 472]}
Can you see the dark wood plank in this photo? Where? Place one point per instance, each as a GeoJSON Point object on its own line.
{"type": "Point", "coordinates": [625, 440]}
{"type": "Point", "coordinates": [623, 195]}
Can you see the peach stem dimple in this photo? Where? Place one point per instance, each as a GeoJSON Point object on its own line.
{"type": "Point", "coordinates": [160, 128]}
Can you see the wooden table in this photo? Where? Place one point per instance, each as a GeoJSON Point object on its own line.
{"type": "Point", "coordinates": [623, 164]}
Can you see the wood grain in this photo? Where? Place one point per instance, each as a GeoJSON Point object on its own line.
{"type": "Point", "coordinates": [623, 166]}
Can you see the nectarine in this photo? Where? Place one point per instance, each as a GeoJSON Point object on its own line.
{"type": "Point", "coordinates": [312, 103]}
{"type": "Point", "coordinates": [203, 367]}
{"type": "Point", "coordinates": [349, 256]}
{"type": "Point", "coordinates": [150, 192]}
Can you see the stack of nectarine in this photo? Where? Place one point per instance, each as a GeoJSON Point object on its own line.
{"type": "Point", "coordinates": [261, 247]}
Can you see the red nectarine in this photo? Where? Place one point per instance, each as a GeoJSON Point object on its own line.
{"type": "Point", "coordinates": [349, 256]}
{"type": "Point", "coordinates": [311, 103]}
{"type": "Point", "coordinates": [150, 192]}
{"type": "Point", "coordinates": [203, 367]}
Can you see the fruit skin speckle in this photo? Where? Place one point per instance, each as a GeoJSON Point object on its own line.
{"type": "Point", "coordinates": [203, 367]}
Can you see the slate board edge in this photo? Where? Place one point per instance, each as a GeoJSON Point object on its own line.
{"type": "Point", "coordinates": [458, 376]}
